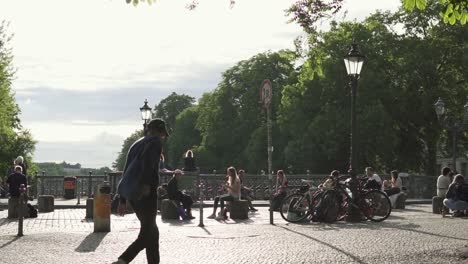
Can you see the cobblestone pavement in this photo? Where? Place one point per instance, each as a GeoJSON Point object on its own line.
{"type": "Point", "coordinates": [413, 235]}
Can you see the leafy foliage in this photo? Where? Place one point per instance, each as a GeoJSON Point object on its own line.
{"type": "Point", "coordinates": [14, 140]}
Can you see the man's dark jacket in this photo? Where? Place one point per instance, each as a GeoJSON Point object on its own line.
{"type": "Point", "coordinates": [149, 150]}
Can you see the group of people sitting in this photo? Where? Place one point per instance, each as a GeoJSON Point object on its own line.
{"type": "Point", "coordinates": [452, 187]}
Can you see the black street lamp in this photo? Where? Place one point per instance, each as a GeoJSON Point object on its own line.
{"type": "Point", "coordinates": [451, 124]}
{"type": "Point", "coordinates": [145, 115]}
{"type": "Point", "coordinates": [353, 62]}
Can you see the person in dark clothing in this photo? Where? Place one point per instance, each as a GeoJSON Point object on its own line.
{"type": "Point", "coordinates": [19, 161]}
{"type": "Point", "coordinates": [145, 206]}
{"type": "Point", "coordinates": [189, 161]}
{"type": "Point", "coordinates": [174, 194]}
{"type": "Point", "coordinates": [15, 180]}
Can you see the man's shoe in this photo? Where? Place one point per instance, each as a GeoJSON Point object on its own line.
{"type": "Point", "coordinates": [253, 209]}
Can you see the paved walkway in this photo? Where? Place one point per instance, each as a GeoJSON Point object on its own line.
{"type": "Point", "coordinates": [411, 236]}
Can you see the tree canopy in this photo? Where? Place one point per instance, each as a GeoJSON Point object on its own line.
{"type": "Point", "coordinates": [14, 140]}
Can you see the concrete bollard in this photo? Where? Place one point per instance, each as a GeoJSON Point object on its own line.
{"type": "Point", "coordinates": [45, 203]}
{"type": "Point", "coordinates": [21, 209]}
{"type": "Point", "coordinates": [89, 208]}
{"type": "Point", "coordinates": [13, 207]}
{"type": "Point", "coordinates": [102, 208]}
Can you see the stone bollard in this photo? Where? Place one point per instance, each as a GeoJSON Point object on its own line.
{"type": "Point", "coordinates": [169, 210]}
{"type": "Point", "coordinates": [102, 208]}
{"type": "Point", "coordinates": [89, 208]}
{"type": "Point", "coordinates": [239, 209]}
{"type": "Point", "coordinates": [438, 205]}
{"type": "Point", "coordinates": [45, 203]}
{"type": "Point", "coordinates": [13, 207]}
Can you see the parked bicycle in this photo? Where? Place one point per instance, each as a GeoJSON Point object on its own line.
{"type": "Point", "coordinates": [305, 203]}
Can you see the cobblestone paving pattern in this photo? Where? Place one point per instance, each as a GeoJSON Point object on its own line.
{"type": "Point", "coordinates": [413, 235]}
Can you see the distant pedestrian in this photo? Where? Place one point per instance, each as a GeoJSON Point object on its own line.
{"type": "Point", "coordinates": [443, 182]}
{"type": "Point", "coordinates": [15, 180]}
{"type": "Point", "coordinates": [174, 193]}
{"type": "Point", "coordinates": [148, 149]}
{"type": "Point", "coordinates": [19, 161]}
{"type": "Point", "coordinates": [189, 161]}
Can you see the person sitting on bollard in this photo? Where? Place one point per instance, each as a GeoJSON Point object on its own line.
{"type": "Point", "coordinates": [374, 182]}
{"type": "Point", "coordinates": [394, 185]}
{"type": "Point", "coordinates": [15, 180]}
{"type": "Point", "coordinates": [443, 182]}
{"type": "Point", "coordinates": [456, 198]}
{"type": "Point", "coordinates": [173, 193]}
{"type": "Point", "coordinates": [233, 186]}
{"type": "Point", "coordinates": [246, 192]}
{"type": "Point", "coordinates": [281, 190]}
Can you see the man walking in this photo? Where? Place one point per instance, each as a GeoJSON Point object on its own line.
{"type": "Point", "coordinates": [148, 150]}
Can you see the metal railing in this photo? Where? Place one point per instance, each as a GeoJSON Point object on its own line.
{"type": "Point", "coordinates": [417, 186]}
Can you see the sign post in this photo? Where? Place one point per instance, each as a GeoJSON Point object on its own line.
{"type": "Point", "coordinates": [266, 94]}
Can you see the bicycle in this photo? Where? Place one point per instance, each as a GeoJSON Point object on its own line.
{"type": "Point", "coordinates": [297, 206]}
{"type": "Point", "coordinates": [373, 204]}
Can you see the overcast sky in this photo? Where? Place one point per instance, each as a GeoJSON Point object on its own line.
{"type": "Point", "coordinates": [85, 67]}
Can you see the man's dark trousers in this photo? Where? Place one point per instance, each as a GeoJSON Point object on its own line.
{"type": "Point", "coordinates": [146, 210]}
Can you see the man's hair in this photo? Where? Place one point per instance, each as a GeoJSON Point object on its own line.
{"type": "Point", "coordinates": [18, 168]}
{"type": "Point", "coordinates": [241, 170]}
{"type": "Point", "coordinates": [394, 173]}
{"type": "Point", "coordinates": [370, 169]}
{"type": "Point", "coordinates": [445, 170]}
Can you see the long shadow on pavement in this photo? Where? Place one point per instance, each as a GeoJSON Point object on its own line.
{"type": "Point", "coordinates": [355, 258]}
{"type": "Point", "coordinates": [9, 242]}
{"type": "Point", "coordinates": [410, 227]}
{"type": "Point", "coordinates": [91, 242]}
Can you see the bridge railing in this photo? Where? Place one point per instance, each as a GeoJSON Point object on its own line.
{"type": "Point", "coordinates": [262, 185]}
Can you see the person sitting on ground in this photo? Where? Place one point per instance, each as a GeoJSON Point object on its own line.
{"type": "Point", "coordinates": [394, 185]}
{"type": "Point", "coordinates": [174, 194]}
{"type": "Point", "coordinates": [246, 192]}
{"type": "Point", "coordinates": [189, 161]}
{"type": "Point", "coordinates": [373, 179]}
{"type": "Point", "coordinates": [233, 187]}
{"type": "Point", "coordinates": [456, 195]}
{"type": "Point", "coordinates": [281, 190]}
{"type": "Point", "coordinates": [15, 180]}
{"type": "Point", "coordinates": [443, 182]}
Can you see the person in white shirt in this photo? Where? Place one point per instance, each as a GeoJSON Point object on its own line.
{"type": "Point", "coordinates": [372, 176]}
{"type": "Point", "coordinates": [233, 187]}
{"type": "Point", "coordinates": [443, 182]}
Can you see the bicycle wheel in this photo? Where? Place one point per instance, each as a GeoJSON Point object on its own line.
{"type": "Point", "coordinates": [375, 206]}
{"type": "Point", "coordinates": [295, 208]}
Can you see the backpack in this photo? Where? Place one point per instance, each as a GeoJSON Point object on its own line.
{"type": "Point", "coordinates": [463, 192]}
{"type": "Point", "coordinates": [327, 208]}
{"type": "Point", "coordinates": [32, 212]}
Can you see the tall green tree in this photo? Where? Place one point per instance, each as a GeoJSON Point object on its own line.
{"type": "Point", "coordinates": [14, 140]}
{"type": "Point", "coordinates": [232, 113]}
{"type": "Point", "coordinates": [171, 106]}
{"type": "Point", "coordinates": [119, 163]}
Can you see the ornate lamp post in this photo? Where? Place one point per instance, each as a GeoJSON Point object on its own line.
{"type": "Point", "coordinates": [451, 124]}
{"type": "Point", "coordinates": [145, 115]}
{"type": "Point", "coordinates": [353, 62]}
